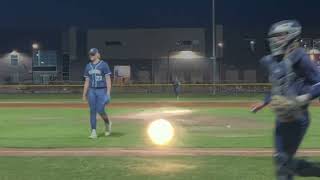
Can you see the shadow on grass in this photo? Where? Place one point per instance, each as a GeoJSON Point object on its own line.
{"type": "Point", "coordinates": [113, 134]}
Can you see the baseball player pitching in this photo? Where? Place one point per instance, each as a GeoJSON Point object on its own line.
{"type": "Point", "coordinates": [96, 91]}
{"type": "Point", "coordinates": [295, 82]}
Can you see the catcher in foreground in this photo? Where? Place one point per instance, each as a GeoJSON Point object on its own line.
{"type": "Point", "coordinates": [295, 82]}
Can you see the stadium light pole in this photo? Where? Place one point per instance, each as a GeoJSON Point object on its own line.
{"type": "Point", "coordinates": [35, 51]}
{"type": "Point", "coordinates": [213, 30]}
{"type": "Point", "coordinates": [168, 67]}
{"type": "Point", "coordinates": [214, 57]}
{"type": "Point", "coordinates": [35, 46]}
{"type": "Point", "coordinates": [214, 44]}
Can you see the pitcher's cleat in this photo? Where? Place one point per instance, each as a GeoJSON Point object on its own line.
{"type": "Point", "coordinates": [108, 129]}
{"type": "Point", "coordinates": [93, 135]}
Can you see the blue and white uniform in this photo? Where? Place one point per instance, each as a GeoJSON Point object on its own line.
{"type": "Point", "coordinates": [291, 76]}
{"type": "Point", "coordinates": [97, 93]}
{"type": "Point", "coordinates": [177, 87]}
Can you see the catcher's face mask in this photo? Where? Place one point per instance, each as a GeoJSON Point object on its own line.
{"type": "Point", "coordinates": [281, 34]}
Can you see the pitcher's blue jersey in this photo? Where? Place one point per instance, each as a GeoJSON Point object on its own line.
{"type": "Point", "coordinates": [292, 76]}
{"type": "Point", "coordinates": [96, 73]}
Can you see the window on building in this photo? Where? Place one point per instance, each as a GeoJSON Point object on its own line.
{"type": "Point", "coordinates": [114, 43]}
{"type": "Point", "coordinates": [14, 60]}
{"type": "Point", "coordinates": [193, 45]}
{"type": "Point", "coordinates": [45, 59]}
{"type": "Point", "coordinates": [66, 67]}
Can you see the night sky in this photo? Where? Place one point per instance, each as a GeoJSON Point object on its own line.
{"type": "Point", "coordinates": [24, 21]}
{"type": "Point", "coordinates": [148, 13]}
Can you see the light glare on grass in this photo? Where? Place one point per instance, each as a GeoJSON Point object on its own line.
{"type": "Point", "coordinates": [161, 132]}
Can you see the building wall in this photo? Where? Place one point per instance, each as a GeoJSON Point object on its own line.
{"type": "Point", "coordinates": [143, 43]}
{"type": "Point", "coordinates": [15, 73]}
{"type": "Point", "coordinates": [146, 51]}
{"type": "Point", "coordinates": [197, 70]}
{"type": "Point", "coordinates": [72, 44]}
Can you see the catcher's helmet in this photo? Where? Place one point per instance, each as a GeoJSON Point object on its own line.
{"type": "Point", "coordinates": [282, 34]}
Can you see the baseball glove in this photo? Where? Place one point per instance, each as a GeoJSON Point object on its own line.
{"type": "Point", "coordinates": [286, 109]}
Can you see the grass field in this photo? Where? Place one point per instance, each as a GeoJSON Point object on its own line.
{"type": "Point", "coordinates": [180, 168]}
{"type": "Point", "coordinates": [203, 127]}
{"type": "Point", "coordinates": [135, 168]}
{"type": "Point", "coordinates": [196, 127]}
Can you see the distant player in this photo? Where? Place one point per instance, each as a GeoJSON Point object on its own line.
{"type": "Point", "coordinates": [295, 82]}
{"type": "Point", "coordinates": [177, 87]}
{"type": "Point", "coordinates": [96, 91]}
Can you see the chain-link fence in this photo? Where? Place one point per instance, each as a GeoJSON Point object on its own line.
{"type": "Point", "coordinates": [225, 89]}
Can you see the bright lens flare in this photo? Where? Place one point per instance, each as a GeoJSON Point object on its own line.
{"type": "Point", "coordinates": [161, 132]}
